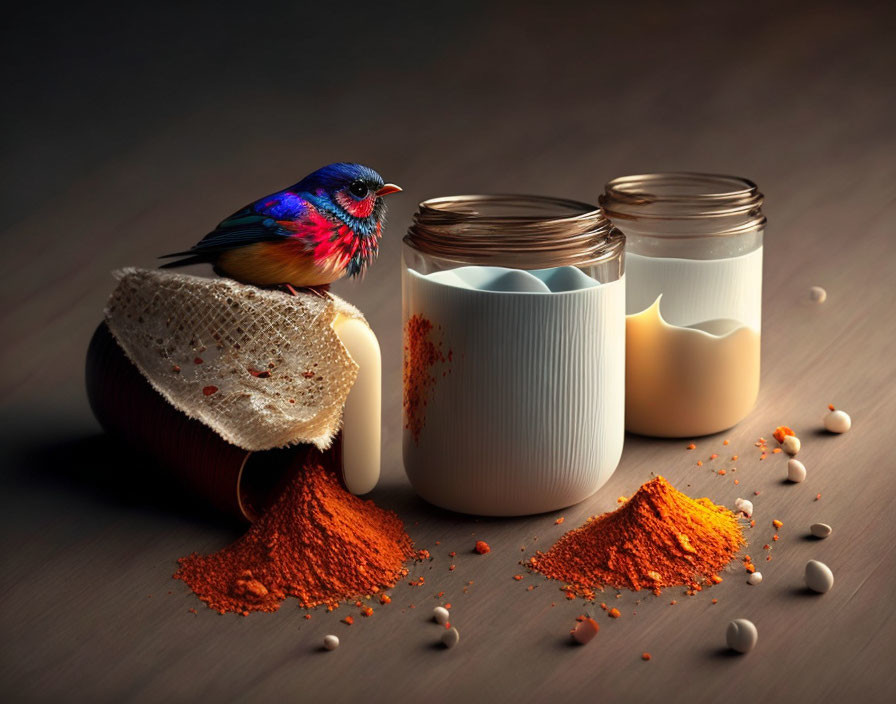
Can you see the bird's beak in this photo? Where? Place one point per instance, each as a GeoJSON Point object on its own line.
{"type": "Point", "coordinates": [387, 189]}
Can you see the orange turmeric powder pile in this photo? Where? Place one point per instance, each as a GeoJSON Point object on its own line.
{"type": "Point", "coordinates": [316, 542]}
{"type": "Point", "coordinates": [658, 538]}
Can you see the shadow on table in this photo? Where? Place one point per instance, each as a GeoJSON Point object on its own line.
{"type": "Point", "coordinates": [100, 468]}
{"type": "Point", "coordinates": [399, 496]}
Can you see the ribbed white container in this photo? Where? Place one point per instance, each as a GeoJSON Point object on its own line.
{"type": "Point", "coordinates": [526, 412]}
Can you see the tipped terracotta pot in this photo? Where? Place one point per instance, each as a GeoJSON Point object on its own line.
{"type": "Point", "coordinates": [234, 481]}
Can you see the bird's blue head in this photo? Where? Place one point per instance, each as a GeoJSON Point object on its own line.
{"type": "Point", "coordinates": [353, 195]}
{"type": "Point", "coordinates": [351, 190]}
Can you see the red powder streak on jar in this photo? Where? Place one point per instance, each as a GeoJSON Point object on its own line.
{"type": "Point", "coordinates": [421, 354]}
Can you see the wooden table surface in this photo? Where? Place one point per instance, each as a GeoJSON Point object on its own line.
{"type": "Point", "coordinates": [129, 132]}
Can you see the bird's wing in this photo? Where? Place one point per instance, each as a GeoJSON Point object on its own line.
{"type": "Point", "coordinates": [267, 220]}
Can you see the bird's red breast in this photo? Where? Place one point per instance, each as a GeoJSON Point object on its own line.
{"type": "Point", "coordinates": [317, 253]}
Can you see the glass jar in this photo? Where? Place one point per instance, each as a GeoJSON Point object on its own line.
{"type": "Point", "coordinates": [514, 315]}
{"type": "Point", "coordinates": [693, 299]}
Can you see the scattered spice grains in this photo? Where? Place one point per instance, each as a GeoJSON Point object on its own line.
{"type": "Point", "coordinates": [481, 547]}
{"type": "Point", "coordinates": [781, 432]}
{"type": "Point", "coordinates": [645, 656]}
{"type": "Point", "coordinates": [658, 538]}
{"type": "Point", "coordinates": [614, 613]}
{"type": "Point", "coordinates": [316, 542]}
{"type": "Point", "coordinates": [585, 631]}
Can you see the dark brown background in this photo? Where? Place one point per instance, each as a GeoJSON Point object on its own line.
{"type": "Point", "coordinates": [128, 132]}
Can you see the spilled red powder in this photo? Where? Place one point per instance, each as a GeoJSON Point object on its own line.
{"type": "Point", "coordinates": [316, 542]}
{"type": "Point", "coordinates": [421, 354]}
{"type": "Point", "coordinates": [482, 547]}
{"type": "Point", "coordinates": [658, 538]}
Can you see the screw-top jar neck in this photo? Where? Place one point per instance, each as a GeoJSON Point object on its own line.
{"type": "Point", "coordinates": [684, 204]}
{"type": "Point", "coordinates": [519, 231]}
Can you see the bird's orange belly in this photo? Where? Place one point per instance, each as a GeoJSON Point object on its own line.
{"type": "Point", "coordinates": [273, 263]}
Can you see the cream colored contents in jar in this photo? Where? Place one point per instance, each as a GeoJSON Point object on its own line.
{"type": "Point", "coordinates": [692, 343]}
{"type": "Point", "coordinates": [684, 381]}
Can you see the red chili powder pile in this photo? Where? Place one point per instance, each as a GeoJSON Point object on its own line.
{"type": "Point", "coordinates": [421, 354]}
{"type": "Point", "coordinates": [658, 538]}
{"type": "Point", "coordinates": [316, 542]}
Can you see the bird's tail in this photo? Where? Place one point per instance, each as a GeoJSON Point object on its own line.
{"type": "Point", "coordinates": [188, 259]}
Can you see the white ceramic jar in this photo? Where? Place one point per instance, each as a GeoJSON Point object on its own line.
{"type": "Point", "coordinates": [693, 299]}
{"type": "Point", "coordinates": [514, 325]}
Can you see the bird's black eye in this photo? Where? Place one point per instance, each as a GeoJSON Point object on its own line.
{"type": "Point", "coordinates": [359, 189]}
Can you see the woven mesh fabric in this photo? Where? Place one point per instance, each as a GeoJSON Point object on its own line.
{"type": "Point", "coordinates": [262, 368]}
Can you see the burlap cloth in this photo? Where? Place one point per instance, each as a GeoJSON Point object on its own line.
{"type": "Point", "coordinates": [263, 369]}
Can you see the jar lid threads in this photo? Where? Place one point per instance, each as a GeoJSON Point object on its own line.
{"type": "Point", "coordinates": [713, 204]}
{"type": "Point", "coordinates": [522, 231]}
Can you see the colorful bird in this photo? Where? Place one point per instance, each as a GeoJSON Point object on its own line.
{"type": "Point", "coordinates": [326, 226]}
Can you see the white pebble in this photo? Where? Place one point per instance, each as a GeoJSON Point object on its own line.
{"type": "Point", "coordinates": [331, 642]}
{"type": "Point", "coordinates": [837, 422]}
{"type": "Point", "coordinates": [796, 471]}
{"type": "Point", "coordinates": [441, 615]}
{"type": "Point", "coordinates": [791, 444]}
{"type": "Point", "coordinates": [820, 530]}
{"type": "Point", "coordinates": [819, 577]}
{"type": "Point", "coordinates": [741, 635]}
{"type": "Point", "coordinates": [755, 578]}
{"type": "Point", "coordinates": [744, 506]}
{"type": "Point", "coordinates": [818, 294]}
{"type": "Point", "coordinates": [450, 637]}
